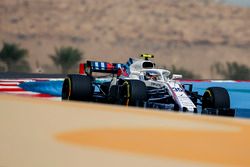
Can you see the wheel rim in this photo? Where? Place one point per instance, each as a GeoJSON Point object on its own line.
{"type": "Point", "coordinates": [207, 100]}
{"type": "Point", "coordinates": [124, 94]}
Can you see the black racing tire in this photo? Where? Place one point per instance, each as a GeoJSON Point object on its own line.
{"type": "Point", "coordinates": [114, 94]}
{"type": "Point", "coordinates": [134, 92]}
{"type": "Point", "coordinates": [216, 98]}
{"type": "Point", "coordinates": [105, 87]}
{"type": "Point", "coordinates": [77, 87]}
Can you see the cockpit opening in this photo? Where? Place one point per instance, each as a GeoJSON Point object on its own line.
{"type": "Point", "coordinates": [148, 65]}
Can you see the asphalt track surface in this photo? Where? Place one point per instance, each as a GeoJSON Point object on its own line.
{"type": "Point", "coordinates": [38, 132]}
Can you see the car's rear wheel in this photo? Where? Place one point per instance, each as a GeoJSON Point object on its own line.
{"type": "Point", "coordinates": [77, 87]}
{"type": "Point", "coordinates": [216, 98]}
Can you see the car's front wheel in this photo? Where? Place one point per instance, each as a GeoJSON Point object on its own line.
{"type": "Point", "coordinates": [132, 93]}
{"type": "Point", "coordinates": [216, 98]}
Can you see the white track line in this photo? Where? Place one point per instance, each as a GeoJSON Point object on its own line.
{"type": "Point", "coordinates": [20, 92]}
{"type": "Point", "coordinates": [9, 87]}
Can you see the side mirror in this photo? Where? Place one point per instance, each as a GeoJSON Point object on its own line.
{"type": "Point", "coordinates": [176, 76]}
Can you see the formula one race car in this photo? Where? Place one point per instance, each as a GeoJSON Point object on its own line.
{"type": "Point", "coordinates": [139, 83]}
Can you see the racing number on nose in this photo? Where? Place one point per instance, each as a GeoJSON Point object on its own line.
{"type": "Point", "coordinates": [177, 89]}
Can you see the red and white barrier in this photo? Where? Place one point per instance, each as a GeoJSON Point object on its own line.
{"type": "Point", "coordinates": [206, 80]}
{"type": "Point", "coordinates": [11, 86]}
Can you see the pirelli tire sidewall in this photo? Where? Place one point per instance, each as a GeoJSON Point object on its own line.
{"type": "Point", "coordinates": [77, 87]}
{"type": "Point", "coordinates": [216, 98]}
{"type": "Point", "coordinates": [134, 92]}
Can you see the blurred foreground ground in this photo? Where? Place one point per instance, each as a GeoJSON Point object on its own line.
{"type": "Point", "coordinates": [37, 132]}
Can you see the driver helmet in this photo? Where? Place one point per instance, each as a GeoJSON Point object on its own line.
{"type": "Point", "coordinates": [151, 76]}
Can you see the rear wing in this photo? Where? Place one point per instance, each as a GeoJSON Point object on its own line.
{"type": "Point", "coordinates": [102, 67]}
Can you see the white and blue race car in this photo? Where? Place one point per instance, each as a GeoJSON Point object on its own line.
{"type": "Point", "coordinates": [139, 83]}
